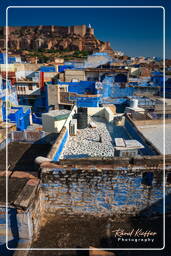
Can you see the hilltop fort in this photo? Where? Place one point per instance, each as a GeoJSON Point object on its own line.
{"type": "Point", "coordinates": [80, 37]}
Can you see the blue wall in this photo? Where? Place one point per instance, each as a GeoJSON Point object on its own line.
{"type": "Point", "coordinates": [40, 103]}
{"type": "Point", "coordinates": [47, 69]}
{"type": "Point", "coordinates": [12, 224]}
{"type": "Point", "coordinates": [88, 101]}
{"type": "Point", "coordinates": [61, 146]}
{"type": "Point", "coordinates": [61, 68]}
{"type": "Point", "coordinates": [117, 91]}
{"type": "Point", "coordinates": [20, 117]}
{"type": "Point", "coordinates": [82, 87]}
{"type": "Point", "coordinates": [157, 78]}
{"type": "Point", "coordinates": [36, 119]}
{"type": "Point", "coordinates": [122, 191]}
{"type": "Point", "coordinates": [113, 89]}
{"type": "Point", "coordinates": [11, 59]}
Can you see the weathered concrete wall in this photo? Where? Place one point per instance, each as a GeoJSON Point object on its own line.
{"type": "Point", "coordinates": [27, 66]}
{"type": "Point", "coordinates": [105, 112]}
{"type": "Point", "coordinates": [146, 91]}
{"type": "Point", "coordinates": [102, 192]}
{"type": "Point", "coordinates": [108, 114]}
{"type": "Point", "coordinates": [97, 111]}
{"type": "Point", "coordinates": [74, 74]}
{"type": "Point", "coordinates": [53, 97]}
{"type": "Point", "coordinates": [29, 221]}
{"type": "Point", "coordinates": [29, 136]}
{"type": "Point", "coordinates": [50, 124]}
{"type": "Point", "coordinates": [59, 144]}
{"type": "Point", "coordinates": [24, 218]}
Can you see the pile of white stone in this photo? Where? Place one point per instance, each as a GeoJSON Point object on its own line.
{"type": "Point", "coordinates": [90, 142]}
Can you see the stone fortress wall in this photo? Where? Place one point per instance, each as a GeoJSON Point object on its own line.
{"type": "Point", "coordinates": [75, 29]}
{"type": "Point", "coordinates": [80, 37]}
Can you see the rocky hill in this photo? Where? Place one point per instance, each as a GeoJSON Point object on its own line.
{"type": "Point", "coordinates": [61, 38]}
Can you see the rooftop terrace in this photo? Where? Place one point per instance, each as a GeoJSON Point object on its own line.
{"type": "Point", "coordinates": [155, 134]}
{"type": "Point", "coordinates": [21, 156]}
{"type": "Point", "coordinates": [94, 142]}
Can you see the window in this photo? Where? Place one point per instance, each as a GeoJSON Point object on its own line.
{"type": "Point", "coordinates": [30, 87]}
{"type": "Point", "coordinates": [63, 89]}
{"type": "Point", "coordinates": [147, 178]}
{"type": "Point", "coordinates": [125, 154]}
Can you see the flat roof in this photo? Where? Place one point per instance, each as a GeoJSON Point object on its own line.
{"type": "Point", "coordinates": [155, 134]}
{"type": "Point", "coordinates": [26, 82]}
{"type": "Point", "coordinates": [83, 231]}
{"type": "Point", "coordinates": [15, 186]}
{"type": "Point", "coordinates": [94, 142]}
{"type": "Point", "coordinates": [21, 156]}
{"type": "Point", "coordinates": [55, 113]}
{"type": "Point", "coordinates": [3, 125]}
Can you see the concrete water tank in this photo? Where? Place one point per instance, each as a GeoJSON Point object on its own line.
{"type": "Point", "coordinates": [134, 103]}
{"type": "Point", "coordinates": [82, 118]}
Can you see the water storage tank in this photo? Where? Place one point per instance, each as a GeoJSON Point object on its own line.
{"type": "Point", "coordinates": [134, 103]}
{"type": "Point", "coordinates": [82, 118]}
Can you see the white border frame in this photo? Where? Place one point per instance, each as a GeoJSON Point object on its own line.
{"type": "Point", "coordinates": [87, 249]}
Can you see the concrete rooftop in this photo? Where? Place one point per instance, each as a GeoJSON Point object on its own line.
{"type": "Point", "coordinates": [86, 143]}
{"type": "Point", "coordinates": [55, 113]}
{"type": "Point", "coordinates": [155, 134]}
{"type": "Point", "coordinates": [21, 156]}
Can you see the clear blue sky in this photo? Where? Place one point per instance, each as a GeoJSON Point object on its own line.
{"type": "Point", "coordinates": [137, 32]}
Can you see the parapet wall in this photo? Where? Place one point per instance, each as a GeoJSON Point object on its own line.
{"type": "Point", "coordinates": [76, 29]}
{"type": "Point", "coordinates": [106, 186]}
{"type": "Point", "coordinates": [59, 145]}
{"type": "Point", "coordinates": [97, 191]}
{"type": "Point", "coordinates": [151, 122]}
{"type": "Point", "coordinates": [24, 213]}
{"type": "Point", "coordinates": [60, 142]}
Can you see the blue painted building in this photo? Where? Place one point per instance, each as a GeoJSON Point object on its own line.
{"type": "Point", "coordinates": [157, 78]}
{"type": "Point", "coordinates": [83, 93]}
{"type": "Point", "coordinates": [8, 92]}
{"type": "Point", "coordinates": [87, 101]}
{"type": "Point", "coordinates": [111, 88]}
{"type": "Point", "coordinates": [47, 69]}
{"type": "Point", "coordinates": [20, 115]}
{"type": "Point", "coordinates": [62, 68]}
{"type": "Point", "coordinates": [82, 87]}
{"type": "Point", "coordinates": [11, 59]}
{"type": "Point", "coordinates": [167, 88]}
